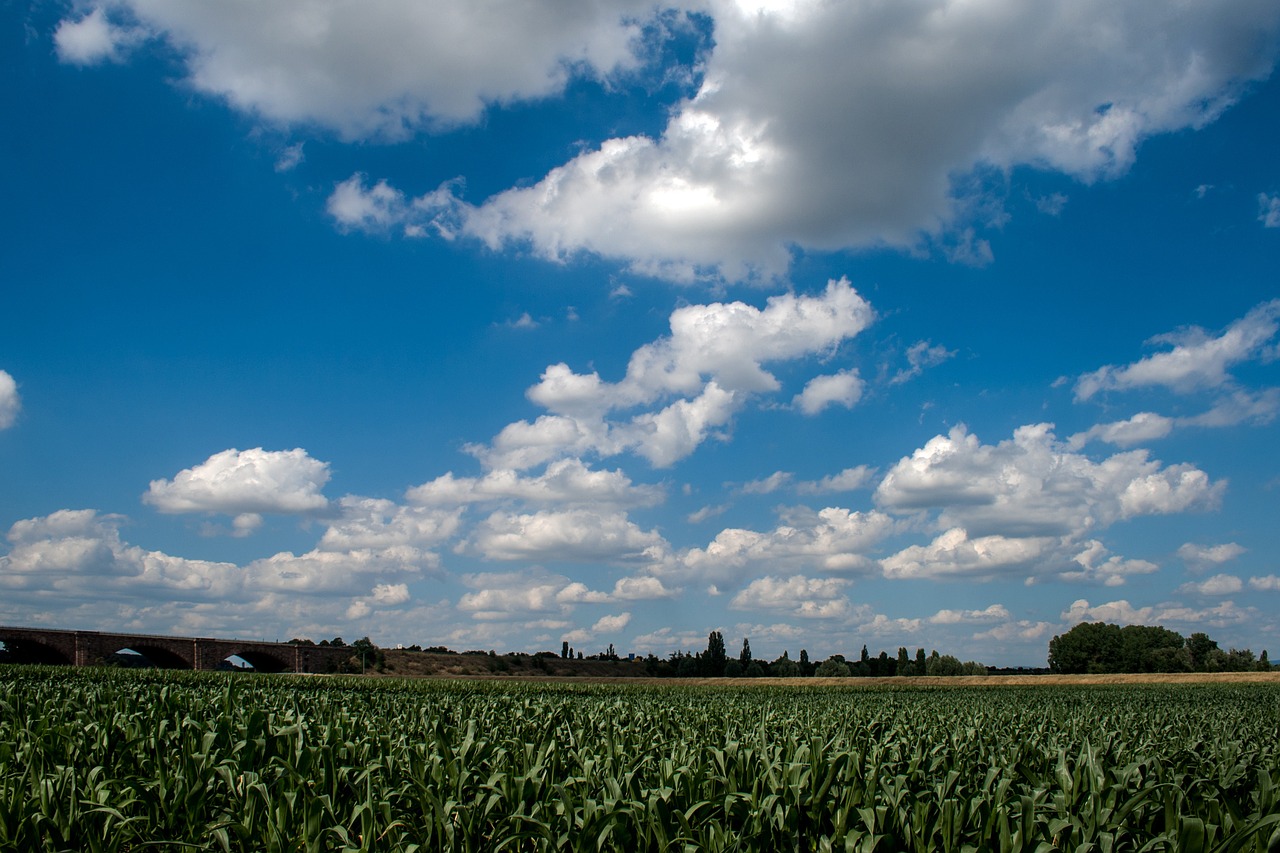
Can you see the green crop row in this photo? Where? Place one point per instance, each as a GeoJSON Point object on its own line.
{"type": "Point", "coordinates": [102, 760]}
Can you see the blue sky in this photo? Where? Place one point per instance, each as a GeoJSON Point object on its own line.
{"type": "Point", "coordinates": [493, 325]}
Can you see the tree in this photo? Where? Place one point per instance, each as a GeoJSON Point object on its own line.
{"type": "Point", "coordinates": [904, 662]}
{"type": "Point", "coordinates": [832, 668]}
{"type": "Point", "coordinates": [715, 658]}
{"type": "Point", "coordinates": [1088, 647]}
{"type": "Point", "coordinates": [1199, 648]}
{"type": "Point", "coordinates": [921, 663]}
{"type": "Point", "coordinates": [806, 668]}
{"type": "Point", "coordinates": [1263, 663]}
{"type": "Point", "coordinates": [733, 669]}
{"type": "Point", "coordinates": [784, 667]}
{"type": "Point", "coordinates": [564, 649]}
{"type": "Point", "coordinates": [745, 657]}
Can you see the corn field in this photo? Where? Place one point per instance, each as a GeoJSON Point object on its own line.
{"type": "Point", "coordinates": [101, 760]}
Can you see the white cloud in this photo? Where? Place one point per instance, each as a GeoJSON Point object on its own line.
{"type": "Point", "coordinates": [1022, 630]}
{"type": "Point", "coordinates": [839, 389]}
{"type": "Point", "coordinates": [848, 480]}
{"type": "Point", "coordinates": [1029, 506]}
{"type": "Point", "coordinates": [290, 157]}
{"type": "Point", "coordinates": [1199, 557]}
{"type": "Point", "coordinates": [250, 481]}
{"type": "Point", "coordinates": [768, 485]}
{"type": "Point", "coordinates": [832, 539]}
{"type": "Point", "coordinates": [1051, 205]}
{"type": "Point", "coordinates": [771, 153]}
{"type": "Point", "coordinates": [390, 594]}
{"type": "Point", "coordinates": [711, 363]}
{"type": "Point", "coordinates": [376, 524]}
{"type": "Point", "coordinates": [1033, 485]}
{"type": "Point", "coordinates": [1269, 210]}
{"type": "Point", "coordinates": [811, 598]}
{"type": "Point", "coordinates": [10, 403]}
{"type": "Point", "coordinates": [1142, 427]}
{"type": "Point", "coordinates": [640, 589]}
{"type": "Point", "coordinates": [920, 356]}
{"type": "Point", "coordinates": [1121, 612]}
{"type": "Point", "coordinates": [245, 524]}
{"type": "Point", "coordinates": [390, 68]}
{"type": "Point", "coordinates": [101, 581]}
{"type": "Point", "coordinates": [566, 535]}
{"type": "Point", "coordinates": [1098, 565]}
{"type": "Point", "coordinates": [516, 595]}
{"type": "Point", "coordinates": [611, 624]}
{"type": "Point", "coordinates": [565, 482]}
{"type": "Point", "coordinates": [700, 515]}
{"type": "Point", "coordinates": [1216, 585]}
{"type": "Point", "coordinates": [93, 38]}
{"type": "Point", "coordinates": [995, 612]}
{"type": "Point", "coordinates": [372, 209]}
{"type": "Point", "coordinates": [1196, 359]}
{"type": "Point", "coordinates": [955, 554]}
{"type": "Point", "coordinates": [1269, 583]}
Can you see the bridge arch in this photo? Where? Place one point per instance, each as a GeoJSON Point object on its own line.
{"type": "Point", "coordinates": [262, 661]}
{"type": "Point", "coordinates": [162, 657]}
{"type": "Point", "coordinates": [27, 650]}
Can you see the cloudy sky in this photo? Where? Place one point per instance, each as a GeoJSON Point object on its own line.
{"type": "Point", "coordinates": [949, 323]}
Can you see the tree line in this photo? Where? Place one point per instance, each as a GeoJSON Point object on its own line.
{"type": "Point", "coordinates": [715, 662]}
{"type": "Point", "coordinates": [1101, 647]}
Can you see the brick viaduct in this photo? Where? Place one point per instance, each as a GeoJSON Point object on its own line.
{"type": "Point", "coordinates": [89, 648]}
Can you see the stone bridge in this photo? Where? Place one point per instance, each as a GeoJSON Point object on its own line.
{"type": "Point", "coordinates": [90, 648]}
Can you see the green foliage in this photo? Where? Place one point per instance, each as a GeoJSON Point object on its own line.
{"type": "Point", "coordinates": [117, 760]}
{"type": "Point", "coordinates": [832, 668]}
{"type": "Point", "coordinates": [1098, 647]}
{"type": "Point", "coordinates": [714, 660]}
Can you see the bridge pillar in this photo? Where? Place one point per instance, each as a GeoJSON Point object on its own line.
{"type": "Point", "coordinates": [87, 648]}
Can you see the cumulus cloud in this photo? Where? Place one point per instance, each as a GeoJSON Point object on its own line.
{"type": "Point", "coordinates": [810, 598]}
{"type": "Point", "coordinates": [1121, 612]}
{"type": "Point", "coordinates": [1195, 360]}
{"type": "Point", "coordinates": [376, 524]}
{"type": "Point", "coordinates": [416, 65]}
{"type": "Point", "coordinates": [955, 554]}
{"type": "Point", "coordinates": [82, 552]}
{"type": "Point", "coordinates": [357, 207]}
{"type": "Point", "coordinates": [848, 480]}
{"type": "Point", "coordinates": [920, 356]}
{"type": "Point", "coordinates": [1268, 583]}
{"type": "Point", "coordinates": [1098, 565]}
{"type": "Point", "coordinates": [518, 595]}
{"type": "Point", "coordinates": [1027, 506]}
{"type": "Point", "coordinates": [250, 481]}
{"type": "Point", "coordinates": [93, 38]}
{"type": "Point", "coordinates": [1269, 210]}
{"type": "Point", "coordinates": [578, 534]}
{"type": "Point", "coordinates": [565, 482]}
{"type": "Point", "coordinates": [768, 485]}
{"type": "Point", "coordinates": [1216, 585]}
{"type": "Point", "coordinates": [1142, 427]}
{"type": "Point", "coordinates": [1033, 485]}
{"type": "Point", "coordinates": [993, 613]}
{"type": "Point", "coordinates": [768, 154]}
{"type": "Point", "coordinates": [707, 368]}
{"type": "Point", "coordinates": [832, 539]}
{"type": "Point", "coordinates": [1021, 630]}
{"type": "Point", "coordinates": [839, 389]}
{"type": "Point", "coordinates": [1199, 557]}
{"type": "Point", "coordinates": [10, 403]}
